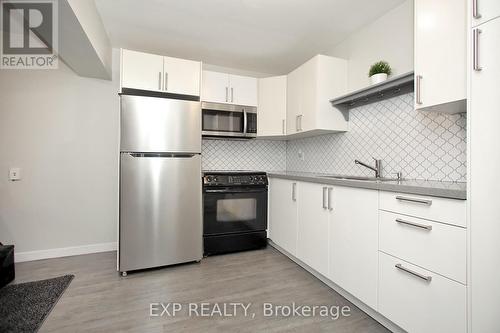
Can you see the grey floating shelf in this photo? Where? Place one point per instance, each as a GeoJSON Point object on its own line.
{"type": "Point", "coordinates": [395, 86]}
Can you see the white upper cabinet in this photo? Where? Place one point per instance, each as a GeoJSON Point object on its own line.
{"type": "Point", "coordinates": [215, 87]}
{"type": "Point", "coordinates": [181, 76]}
{"type": "Point", "coordinates": [243, 90]}
{"type": "Point", "coordinates": [158, 73]}
{"type": "Point", "coordinates": [440, 55]}
{"type": "Point", "coordinates": [484, 10]}
{"type": "Point", "coordinates": [226, 88]}
{"type": "Point", "coordinates": [271, 117]}
{"type": "Point", "coordinates": [141, 70]}
{"type": "Point", "coordinates": [309, 90]}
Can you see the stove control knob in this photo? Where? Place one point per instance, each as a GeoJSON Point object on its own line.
{"type": "Point", "coordinates": [209, 179]}
{"type": "Point", "coordinates": [215, 179]}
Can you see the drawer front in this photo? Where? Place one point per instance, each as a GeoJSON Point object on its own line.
{"type": "Point", "coordinates": [444, 210]}
{"type": "Point", "coordinates": [417, 305]}
{"type": "Point", "coordinates": [438, 247]}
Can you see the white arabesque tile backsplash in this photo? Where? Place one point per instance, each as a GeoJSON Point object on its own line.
{"type": "Point", "coordinates": [258, 155]}
{"type": "Point", "coordinates": [422, 145]}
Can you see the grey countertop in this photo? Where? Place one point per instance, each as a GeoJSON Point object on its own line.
{"type": "Point", "coordinates": [452, 190]}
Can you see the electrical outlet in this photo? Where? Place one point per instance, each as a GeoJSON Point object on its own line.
{"type": "Point", "coordinates": [14, 174]}
{"type": "Point", "coordinates": [301, 155]}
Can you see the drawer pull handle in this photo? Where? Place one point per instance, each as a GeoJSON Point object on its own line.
{"type": "Point", "coordinates": [421, 276]}
{"type": "Point", "coordinates": [415, 200]}
{"type": "Point", "coordinates": [413, 224]}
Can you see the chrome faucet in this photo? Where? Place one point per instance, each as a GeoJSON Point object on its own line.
{"type": "Point", "coordinates": [377, 168]}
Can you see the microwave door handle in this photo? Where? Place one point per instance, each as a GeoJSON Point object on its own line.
{"type": "Point", "coordinates": [245, 122]}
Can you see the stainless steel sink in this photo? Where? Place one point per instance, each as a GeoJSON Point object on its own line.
{"type": "Point", "coordinates": [371, 179]}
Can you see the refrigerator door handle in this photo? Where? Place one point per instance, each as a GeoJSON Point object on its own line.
{"type": "Point", "coordinates": [162, 155]}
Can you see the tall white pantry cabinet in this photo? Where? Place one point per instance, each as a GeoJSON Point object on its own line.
{"type": "Point", "coordinates": [484, 166]}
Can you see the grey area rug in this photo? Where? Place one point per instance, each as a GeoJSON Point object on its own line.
{"type": "Point", "coordinates": [24, 306]}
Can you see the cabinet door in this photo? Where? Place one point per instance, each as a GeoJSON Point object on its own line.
{"type": "Point", "coordinates": [354, 242]}
{"type": "Point", "coordinates": [312, 235]}
{"type": "Point", "coordinates": [440, 54]}
{"type": "Point", "coordinates": [181, 76]}
{"type": "Point", "coordinates": [243, 90]}
{"type": "Point", "coordinates": [271, 119]}
{"type": "Point", "coordinates": [484, 161]}
{"type": "Point", "coordinates": [215, 87]}
{"type": "Point", "coordinates": [141, 70]}
{"type": "Point", "coordinates": [485, 11]}
{"type": "Point", "coordinates": [308, 102]}
{"type": "Point", "coordinates": [293, 98]}
{"type": "Point", "coordinates": [283, 196]}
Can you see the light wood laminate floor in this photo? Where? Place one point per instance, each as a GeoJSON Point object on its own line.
{"type": "Point", "coordinates": [99, 300]}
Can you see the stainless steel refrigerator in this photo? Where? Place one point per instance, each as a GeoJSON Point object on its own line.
{"type": "Point", "coordinates": [160, 182]}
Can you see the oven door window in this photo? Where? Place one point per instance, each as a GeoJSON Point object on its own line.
{"type": "Point", "coordinates": [222, 121]}
{"type": "Point", "coordinates": [237, 211]}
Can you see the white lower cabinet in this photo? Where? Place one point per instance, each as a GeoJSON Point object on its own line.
{"type": "Point", "coordinates": [312, 232]}
{"type": "Point", "coordinates": [438, 247]}
{"type": "Point", "coordinates": [283, 213]}
{"type": "Point", "coordinates": [354, 242]}
{"type": "Point", "coordinates": [385, 249]}
{"type": "Point", "coordinates": [418, 300]}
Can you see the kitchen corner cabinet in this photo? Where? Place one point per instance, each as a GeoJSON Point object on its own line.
{"type": "Point", "coordinates": [272, 107]}
{"type": "Point", "coordinates": [159, 73]}
{"type": "Point", "coordinates": [483, 11]}
{"type": "Point", "coordinates": [309, 90]}
{"type": "Point", "coordinates": [229, 89]}
{"type": "Point", "coordinates": [283, 196]}
{"type": "Point", "coordinates": [441, 55]}
{"type": "Point", "coordinates": [325, 229]}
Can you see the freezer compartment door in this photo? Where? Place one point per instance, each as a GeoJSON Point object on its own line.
{"type": "Point", "coordinates": [152, 124]}
{"type": "Point", "coordinates": [160, 210]}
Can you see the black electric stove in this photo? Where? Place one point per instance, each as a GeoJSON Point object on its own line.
{"type": "Point", "coordinates": [234, 211]}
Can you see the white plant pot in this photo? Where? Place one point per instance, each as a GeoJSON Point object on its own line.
{"type": "Point", "coordinates": [377, 78]}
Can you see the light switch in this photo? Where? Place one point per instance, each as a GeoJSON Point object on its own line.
{"type": "Point", "coordinates": [14, 174]}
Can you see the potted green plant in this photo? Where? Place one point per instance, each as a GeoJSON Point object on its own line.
{"type": "Point", "coordinates": [379, 72]}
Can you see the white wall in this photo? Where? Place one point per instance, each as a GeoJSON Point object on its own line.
{"type": "Point", "coordinates": [62, 130]}
{"type": "Point", "coordinates": [388, 38]}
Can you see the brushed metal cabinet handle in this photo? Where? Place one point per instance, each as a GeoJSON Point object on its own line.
{"type": "Point", "coordinates": [297, 123]}
{"type": "Point", "coordinates": [300, 123]}
{"type": "Point", "coordinates": [165, 86]}
{"type": "Point", "coordinates": [414, 200]}
{"type": "Point", "coordinates": [414, 224]}
{"type": "Point", "coordinates": [475, 50]}
{"type": "Point", "coordinates": [283, 124]}
{"type": "Point", "coordinates": [419, 89]}
{"type": "Point", "coordinates": [227, 94]}
{"type": "Point", "coordinates": [407, 270]}
{"type": "Point", "coordinates": [475, 11]}
{"type": "Point", "coordinates": [294, 191]}
{"type": "Point", "coordinates": [324, 197]}
{"type": "Point", "coordinates": [232, 95]}
{"type": "Point", "coordinates": [330, 206]}
{"type": "Point", "coordinates": [159, 80]}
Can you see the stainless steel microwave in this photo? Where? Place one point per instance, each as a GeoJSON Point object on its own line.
{"type": "Point", "coordinates": [228, 120]}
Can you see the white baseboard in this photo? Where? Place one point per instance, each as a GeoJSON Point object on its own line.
{"type": "Point", "coordinates": [64, 252]}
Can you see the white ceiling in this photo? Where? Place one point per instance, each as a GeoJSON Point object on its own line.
{"type": "Point", "coordinates": [268, 36]}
